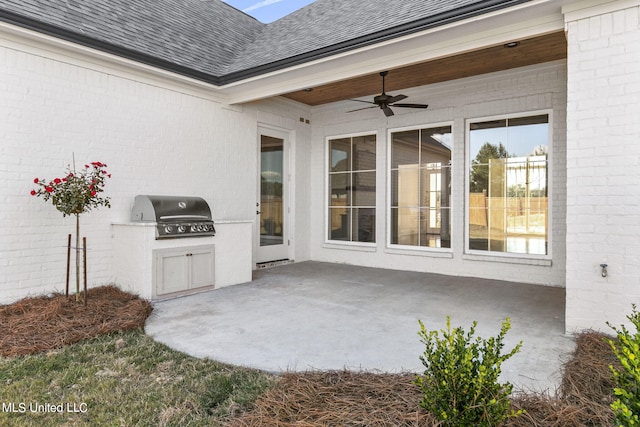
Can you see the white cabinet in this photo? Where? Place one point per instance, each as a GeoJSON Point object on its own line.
{"type": "Point", "coordinates": [183, 269]}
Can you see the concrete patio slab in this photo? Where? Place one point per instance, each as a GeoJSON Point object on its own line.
{"type": "Point", "coordinates": [313, 315]}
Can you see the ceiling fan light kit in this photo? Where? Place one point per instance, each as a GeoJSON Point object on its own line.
{"type": "Point", "coordinates": [385, 101]}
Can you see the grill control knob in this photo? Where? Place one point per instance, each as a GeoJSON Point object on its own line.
{"type": "Point", "coordinates": [194, 228]}
{"type": "Point", "coordinates": [182, 229]}
{"type": "Point", "coordinates": [168, 229]}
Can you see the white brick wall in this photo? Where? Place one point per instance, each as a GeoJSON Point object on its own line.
{"type": "Point", "coordinates": [160, 137]}
{"type": "Point", "coordinates": [534, 88]}
{"type": "Point", "coordinates": [156, 137]}
{"type": "Point", "coordinates": [603, 165]}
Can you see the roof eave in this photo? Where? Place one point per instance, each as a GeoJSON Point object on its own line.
{"type": "Point", "coordinates": [100, 45]}
{"type": "Point", "coordinates": [390, 33]}
{"type": "Point", "coordinates": [454, 15]}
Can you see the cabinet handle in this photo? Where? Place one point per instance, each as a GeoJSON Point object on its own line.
{"type": "Point", "coordinates": [189, 254]}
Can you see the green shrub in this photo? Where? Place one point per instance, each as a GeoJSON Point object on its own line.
{"type": "Point", "coordinates": [460, 384]}
{"type": "Point", "coordinates": [627, 405]}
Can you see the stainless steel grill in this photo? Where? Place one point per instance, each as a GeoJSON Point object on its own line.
{"type": "Point", "coordinates": [175, 216]}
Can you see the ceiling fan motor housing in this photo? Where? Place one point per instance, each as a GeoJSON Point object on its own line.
{"type": "Point", "coordinates": [382, 99]}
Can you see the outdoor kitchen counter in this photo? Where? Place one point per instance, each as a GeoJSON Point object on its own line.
{"type": "Point", "coordinates": [134, 247]}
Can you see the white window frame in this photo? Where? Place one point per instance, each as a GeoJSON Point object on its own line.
{"type": "Point", "coordinates": [494, 255]}
{"type": "Point", "coordinates": [327, 192]}
{"type": "Point", "coordinates": [410, 248]}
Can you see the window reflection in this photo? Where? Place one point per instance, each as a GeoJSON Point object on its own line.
{"type": "Point", "coordinates": [352, 189]}
{"type": "Point", "coordinates": [421, 187]}
{"type": "Point", "coordinates": [508, 184]}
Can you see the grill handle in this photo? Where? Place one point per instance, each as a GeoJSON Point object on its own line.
{"type": "Point", "coordinates": [202, 217]}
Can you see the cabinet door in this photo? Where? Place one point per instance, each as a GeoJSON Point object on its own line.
{"type": "Point", "coordinates": [172, 272]}
{"type": "Point", "coordinates": [182, 269]}
{"type": "Point", "coordinates": [202, 267]}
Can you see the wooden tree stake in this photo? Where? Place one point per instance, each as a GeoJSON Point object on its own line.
{"type": "Point", "coordinates": [84, 267]}
{"type": "Point", "coordinates": [68, 263]}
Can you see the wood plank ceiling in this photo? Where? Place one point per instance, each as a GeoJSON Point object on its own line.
{"type": "Point", "coordinates": [549, 47]}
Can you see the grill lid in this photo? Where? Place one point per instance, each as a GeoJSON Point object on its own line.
{"type": "Point", "coordinates": [175, 216]}
{"type": "Point", "coordinates": [163, 209]}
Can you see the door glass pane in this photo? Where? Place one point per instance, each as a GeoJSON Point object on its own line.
{"type": "Point", "coordinates": [271, 183]}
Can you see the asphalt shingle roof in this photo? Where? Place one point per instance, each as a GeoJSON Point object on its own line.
{"type": "Point", "coordinates": [329, 22]}
{"type": "Point", "coordinates": [202, 35]}
{"type": "Point", "coordinates": [220, 43]}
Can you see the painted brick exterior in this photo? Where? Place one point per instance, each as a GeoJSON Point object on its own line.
{"type": "Point", "coordinates": [163, 136]}
{"type": "Point", "coordinates": [603, 165]}
{"type": "Point", "coordinates": [155, 136]}
{"type": "Point", "coordinates": [535, 88]}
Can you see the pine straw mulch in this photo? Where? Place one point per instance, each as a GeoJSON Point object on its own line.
{"type": "Point", "coordinates": [339, 398]}
{"type": "Point", "coordinates": [38, 324]}
{"type": "Point", "coordinates": [334, 398]}
{"type": "Point", "coordinates": [585, 392]}
{"type": "Point", "coordinates": [342, 398]}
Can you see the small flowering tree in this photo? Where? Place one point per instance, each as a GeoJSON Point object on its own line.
{"type": "Point", "coordinates": [74, 194]}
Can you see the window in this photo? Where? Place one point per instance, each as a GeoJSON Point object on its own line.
{"type": "Point", "coordinates": [352, 189]}
{"type": "Point", "coordinates": [421, 187]}
{"type": "Point", "coordinates": [508, 185]}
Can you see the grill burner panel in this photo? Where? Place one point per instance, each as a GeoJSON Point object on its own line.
{"type": "Point", "coordinates": [175, 216]}
{"type": "Point", "coordinates": [185, 229]}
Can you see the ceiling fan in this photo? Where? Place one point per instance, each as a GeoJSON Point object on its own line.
{"type": "Point", "coordinates": [384, 101]}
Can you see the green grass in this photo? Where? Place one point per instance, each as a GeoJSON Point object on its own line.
{"type": "Point", "coordinates": [124, 379]}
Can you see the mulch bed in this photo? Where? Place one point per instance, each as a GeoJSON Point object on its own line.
{"type": "Point", "coordinates": [39, 324]}
{"type": "Point", "coordinates": [334, 398]}
{"type": "Point", "coordinates": [339, 398]}
{"type": "Point", "coordinates": [585, 392]}
{"type": "Point", "coordinates": [370, 399]}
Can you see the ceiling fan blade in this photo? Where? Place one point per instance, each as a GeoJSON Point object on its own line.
{"type": "Point", "coordinates": [387, 111]}
{"type": "Point", "coordinates": [411, 105]}
{"type": "Point", "coordinates": [360, 100]}
{"type": "Point", "coordinates": [396, 98]}
{"type": "Point", "coordinates": [360, 109]}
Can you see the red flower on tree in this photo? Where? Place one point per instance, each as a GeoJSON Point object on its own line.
{"type": "Point", "coordinates": [77, 193]}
